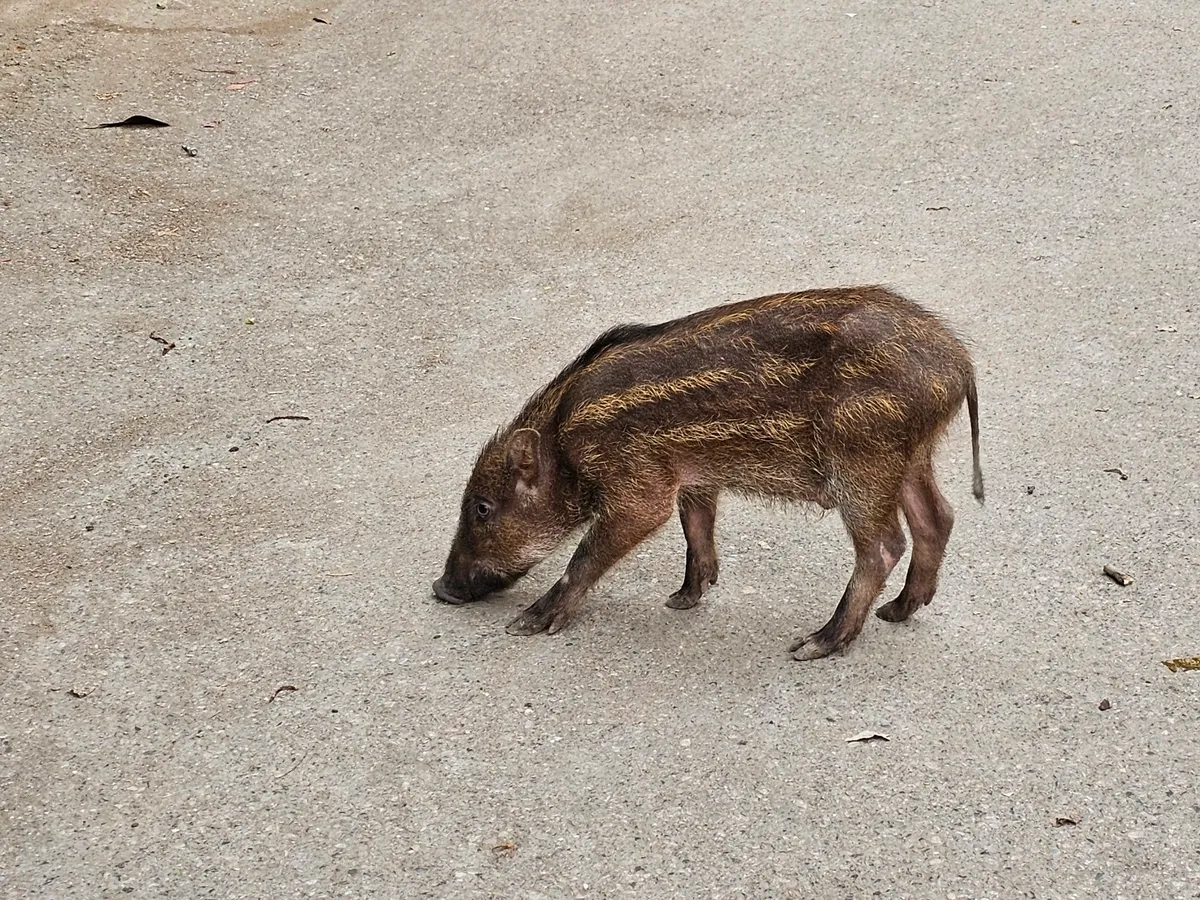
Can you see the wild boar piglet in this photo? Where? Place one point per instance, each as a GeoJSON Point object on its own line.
{"type": "Point", "coordinates": [836, 397]}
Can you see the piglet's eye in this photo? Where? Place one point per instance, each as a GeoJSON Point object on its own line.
{"type": "Point", "coordinates": [483, 510]}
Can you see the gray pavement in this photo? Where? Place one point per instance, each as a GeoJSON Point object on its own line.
{"type": "Point", "coordinates": [222, 673]}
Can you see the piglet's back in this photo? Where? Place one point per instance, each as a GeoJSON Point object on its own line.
{"type": "Point", "coordinates": [766, 390]}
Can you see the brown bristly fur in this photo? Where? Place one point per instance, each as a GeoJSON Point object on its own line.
{"type": "Point", "coordinates": [833, 396]}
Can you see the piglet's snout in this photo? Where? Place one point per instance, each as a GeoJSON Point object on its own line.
{"type": "Point", "coordinates": [444, 594]}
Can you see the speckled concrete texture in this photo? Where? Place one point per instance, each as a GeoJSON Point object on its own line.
{"type": "Point", "coordinates": [222, 672]}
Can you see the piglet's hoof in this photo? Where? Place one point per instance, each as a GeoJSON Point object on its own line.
{"type": "Point", "coordinates": [814, 646]}
{"type": "Point", "coordinates": [683, 599]}
{"type": "Point", "coordinates": [894, 611]}
{"type": "Point", "coordinates": [535, 621]}
{"type": "Point", "coordinates": [692, 590]}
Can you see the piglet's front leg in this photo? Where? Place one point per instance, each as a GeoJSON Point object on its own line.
{"type": "Point", "coordinates": [621, 528]}
{"type": "Point", "coordinates": [551, 611]}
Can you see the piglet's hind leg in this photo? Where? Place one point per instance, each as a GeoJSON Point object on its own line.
{"type": "Point", "coordinates": [698, 515]}
{"type": "Point", "coordinates": [875, 557]}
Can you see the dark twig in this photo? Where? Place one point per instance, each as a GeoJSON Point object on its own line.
{"type": "Point", "coordinates": [293, 768]}
{"type": "Point", "coordinates": [279, 690]}
{"type": "Point", "coordinates": [1119, 577]}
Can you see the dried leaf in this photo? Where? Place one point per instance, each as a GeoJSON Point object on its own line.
{"type": "Point", "coordinates": [137, 121]}
{"type": "Point", "coordinates": [866, 737]}
{"type": "Point", "coordinates": [1063, 820]}
{"type": "Point", "coordinates": [1183, 664]}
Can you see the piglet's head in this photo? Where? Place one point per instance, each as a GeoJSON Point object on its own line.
{"type": "Point", "coordinates": [512, 516]}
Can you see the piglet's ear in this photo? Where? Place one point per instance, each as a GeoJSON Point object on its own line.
{"type": "Point", "coordinates": [523, 447]}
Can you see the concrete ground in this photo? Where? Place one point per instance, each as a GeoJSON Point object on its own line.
{"type": "Point", "coordinates": [222, 673]}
